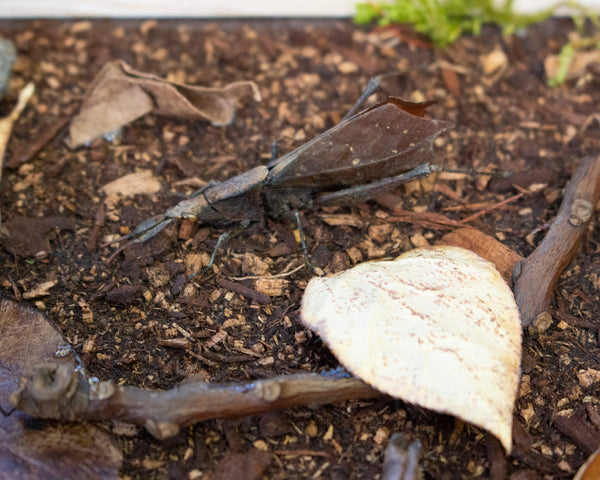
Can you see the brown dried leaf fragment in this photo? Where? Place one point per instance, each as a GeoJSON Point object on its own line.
{"type": "Point", "coordinates": [40, 290]}
{"type": "Point", "coordinates": [43, 450]}
{"type": "Point", "coordinates": [143, 182]}
{"type": "Point", "coordinates": [28, 237]}
{"type": "Point", "coordinates": [120, 94]}
{"type": "Point", "coordinates": [494, 61]}
{"type": "Point", "coordinates": [503, 258]}
{"type": "Point", "coordinates": [249, 465]}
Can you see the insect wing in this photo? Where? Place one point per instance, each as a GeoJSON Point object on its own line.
{"type": "Point", "coordinates": [381, 141]}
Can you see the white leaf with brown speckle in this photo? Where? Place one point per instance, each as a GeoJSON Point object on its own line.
{"type": "Point", "coordinates": [437, 327]}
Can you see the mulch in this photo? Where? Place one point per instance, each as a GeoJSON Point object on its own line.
{"type": "Point", "coordinates": [121, 317]}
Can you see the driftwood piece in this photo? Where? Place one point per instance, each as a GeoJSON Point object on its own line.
{"type": "Point", "coordinates": [535, 277]}
{"type": "Point", "coordinates": [58, 392]}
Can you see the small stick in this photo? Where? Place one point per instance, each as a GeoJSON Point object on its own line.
{"type": "Point", "coordinates": [247, 292]}
{"type": "Point", "coordinates": [432, 220]}
{"type": "Point", "coordinates": [536, 277]}
{"type": "Point", "coordinates": [30, 149]}
{"type": "Point", "coordinates": [491, 207]}
{"type": "Point", "coordinates": [58, 392]}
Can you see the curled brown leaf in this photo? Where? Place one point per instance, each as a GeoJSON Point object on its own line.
{"type": "Point", "coordinates": [119, 95]}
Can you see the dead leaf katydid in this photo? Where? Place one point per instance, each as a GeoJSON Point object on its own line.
{"type": "Point", "coordinates": [366, 154]}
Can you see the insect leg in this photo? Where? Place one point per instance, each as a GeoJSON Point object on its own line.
{"type": "Point", "coordinates": [144, 231]}
{"type": "Point", "coordinates": [302, 239]}
{"type": "Point", "coordinates": [225, 236]}
{"type": "Point", "coordinates": [7, 413]}
{"type": "Point", "coordinates": [372, 85]}
{"type": "Point", "coordinates": [274, 151]}
{"type": "Point", "coordinates": [362, 193]}
{"type": "Point", "coordinates": [212, 183]}
{"type": "Point", "coordinates": [195, 208]}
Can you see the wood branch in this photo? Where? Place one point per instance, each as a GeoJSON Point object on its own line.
{"type": "Point", "coordinates": [58, 392]}
{"type": "Point", "coordinates": [536, 277]}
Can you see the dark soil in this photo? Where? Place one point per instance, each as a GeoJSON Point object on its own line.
{"type": "Point", "coordinates": [117, 316]}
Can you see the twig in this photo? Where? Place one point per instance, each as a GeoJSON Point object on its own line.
{"type": "Point", "coordinates": [59, 392]}
{"type": "Point", "coordinates": [536, 276]}
{"type": "Point", "coordinates": [435, 221]}
{"type": "Point", "coordinates": [491, 207]}
{"type": "Point", "coordinates": [247, 292]}
{"type": "Point", "coordinates": [301, 452]}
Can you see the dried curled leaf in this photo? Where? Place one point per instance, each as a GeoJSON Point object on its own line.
{"type": "Point", "coordinates": [44, 450]}
{"type": "Point", "coordinates": [29, 237]}
{"type": "Point", "coordinates": [120, 94]}
{"type": "Point", "coordinates": [437, 327]}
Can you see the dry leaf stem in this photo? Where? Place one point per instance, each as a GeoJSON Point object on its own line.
{"type": "Point", "coordinates": [58, 392]}
{"type": "Point", "coordinates": [536, 276]}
